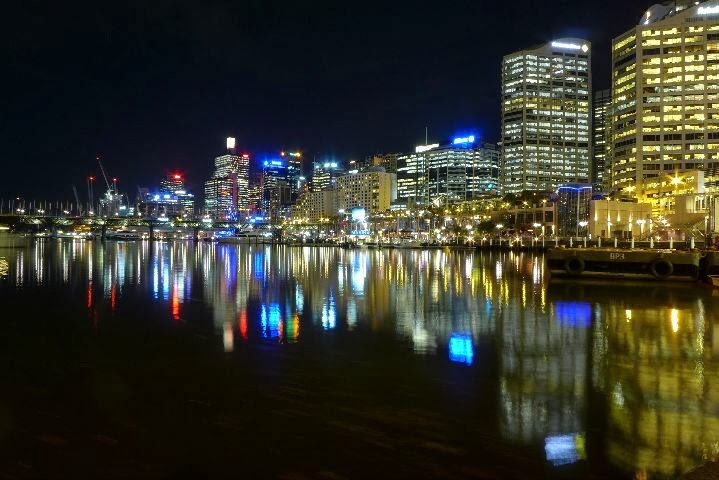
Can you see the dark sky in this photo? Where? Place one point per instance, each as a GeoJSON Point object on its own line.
{"type": "Point", "coordinates": [157, 85]}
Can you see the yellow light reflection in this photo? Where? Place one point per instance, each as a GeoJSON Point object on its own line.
{"type": "Point", "coordinates": [675, 320]}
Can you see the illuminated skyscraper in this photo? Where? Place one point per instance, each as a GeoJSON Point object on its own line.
{"type": "Point", "coordinates": [665, 95]}
{"type": "Point", "coordinates": [276, 191]}
{"type": "Point", "coordinates": [325, 174]}
{"type": "Point", "coordinates": [601, 137]}
{"type": "Point", "coordinates": [546, 96]}
{"type": "Point", "coordinates": [464, 169]}
{"type": "Point", "coordinates": [226, 193]}
{"type": "Point", "coordinates": [171, 183]}
{"type": "Point", "coordinates": [294, 172]}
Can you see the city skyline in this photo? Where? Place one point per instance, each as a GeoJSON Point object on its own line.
{"type": "Point", "coordinates": [125, 83]}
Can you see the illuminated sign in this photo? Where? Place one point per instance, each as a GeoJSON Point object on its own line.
{"type": "Point", "coordinates": [295, 154]}
{"type": "Point", "coordinates": [360, 232]}
{"type": "Point", "coordinates": [708, 10]}
{"type": "Point", "coordinates": [424, 148]}
{"type": "Point", "coordinates": [463, 140]}
{"type": "Point", "coordinates": [571, 46]}
{"type": "Point", "coordinates": [276, 163]}
{"type": "Point", "coordinates": [177, 176]}
{"type": "Point", "coordinates": [330, 165]}
{"type": "Point", "coordinates": [359, 214]}
{"type": "Point", "coordinates": [230, 142]}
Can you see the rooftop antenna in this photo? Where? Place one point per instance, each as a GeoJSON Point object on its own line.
{"type": "Point", "coordinates": [426, 136]}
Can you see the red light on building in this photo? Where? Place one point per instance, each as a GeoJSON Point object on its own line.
{"type": "Point", "coordinates": [177, 176]}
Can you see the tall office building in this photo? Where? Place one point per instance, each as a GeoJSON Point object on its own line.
{"type": "Point", "coordinates": [171, 183]}
{"type": "Point", "coordinates": [294, 172]}
{"type": "Point", "coordinates": [276, 191]}
{"type": "Point", "coordinates": [325, 174]}
{"type": "Point", "coordinates": [665, 95]}
{"type": "Point", "coordinates": [546, 97]}
{"type": "Point", "coordinates": [388, 161]}
{"type": "Point", "coordinates": [465, 169]}
{"type": "Point", "coordinates": [226, 193]}
{"type": "Point", "coordinates": [601, 138]}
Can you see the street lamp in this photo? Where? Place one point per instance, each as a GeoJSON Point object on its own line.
{"type": "Point", "coordinates": [584, 224]}
{"type": "Point", "coordinates": [641, 222]}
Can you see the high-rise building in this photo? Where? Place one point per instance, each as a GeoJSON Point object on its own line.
{"type": "Point", "coordinates": [412, 176]}
{"type": "Point", "coordinates": [546, 97]}
{"type": "Point", "coordinates": [294, 172]}
{"type": "Point", "coordinates": [388, 161]}
{"type": "Point", "coordinates": [464, 169]}
{"type": "Point", "coordinates": [467, 169]}
{"type": "Point", "coordinates": [171, 200]}
{"type": "Point", "coordinates": [601, 138]}
{"type": "Point", "coordinates": [171, 183]}
{"type": "Point", "coordinates": [226, 193]}
{"type": "Point", "coordinates": [665, 95]}
{"type": "Point", "coordinates": [372, 190]}
{"type": "Point", "coordinates": [276, 190]}
{"type": "Point", "coordinates": [325, 174]}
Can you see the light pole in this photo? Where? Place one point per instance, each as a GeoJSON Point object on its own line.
{"type": "Point", "coordinates": [584, 224]}
{"type": "Point", "coordinates": [641, 222]}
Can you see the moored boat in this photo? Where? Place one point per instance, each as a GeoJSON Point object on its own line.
{"type": "Point", "coordinates": [619, 263]}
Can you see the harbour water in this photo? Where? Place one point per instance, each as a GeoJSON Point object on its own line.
{"type": "Point", "coordinates": [183, 360]}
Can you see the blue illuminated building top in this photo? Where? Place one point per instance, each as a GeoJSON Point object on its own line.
{"type": "Point", "coordinates": [464, 140]}
{"type": "Point", "coordinates": [273, 163]}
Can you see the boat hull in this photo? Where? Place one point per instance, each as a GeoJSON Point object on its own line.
{"type": "Point", "coordinates": [649, 264]}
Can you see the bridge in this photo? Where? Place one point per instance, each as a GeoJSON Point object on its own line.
{"type": "Point", "coordinates": [36, 223]}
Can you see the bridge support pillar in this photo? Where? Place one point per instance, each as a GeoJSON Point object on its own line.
{"type": "Point", "coordinates": [152, 232]}
{"type": "Point", "coordinates": [196, 233]}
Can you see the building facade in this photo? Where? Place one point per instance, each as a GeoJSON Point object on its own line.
{"type": "Point", "coordinates": [546, 101]}
{"type": "Point", "coordinates": [665, 95]}
{"type": "Point", "coordinates": [457, 172]}
{"type": "Point", "coordinates": [324, 175]}
{"type": "Point", "coordinates": [373, 190]}
{"type": "Point", "coordinates": [573, 209]}
{"type": "Point", "coordinates": [314, 206]}
{"type": "Point", "coordinates": [276, 190]}
{"type": "Point", "coordinates": [226, 192]}
{"type": "Point", "coordinates": [601, 138]}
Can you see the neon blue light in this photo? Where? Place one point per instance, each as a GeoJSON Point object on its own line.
{"type": "Point", "coordinates": [566, 187]}
{"type": "Point", "coordinates": [156, 197]}
{"type": "Point", "coordinates": [461, 349]}
{"type": "Point", "coordinates": [275, 162]}
{"type": "Point", "coordinates": [463, 140]}
{"type": "Point", "coordinates": [574, 314]}
{"type": "Point", "coordinates": [266, 163]}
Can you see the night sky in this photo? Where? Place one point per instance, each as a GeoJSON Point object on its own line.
{"type": "Point", "coordinates": [157, 85]}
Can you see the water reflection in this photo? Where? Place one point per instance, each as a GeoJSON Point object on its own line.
{"type": "Point", "coordinates": [649, 353]}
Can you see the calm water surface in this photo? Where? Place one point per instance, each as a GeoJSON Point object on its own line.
{"type": "Point", "coordinates": [175, 360]}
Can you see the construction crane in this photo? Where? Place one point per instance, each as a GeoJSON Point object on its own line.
{"type": "Point", "coordinates": [77, 200]}
{"type": "Point", "coordinates": [102, 169]}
